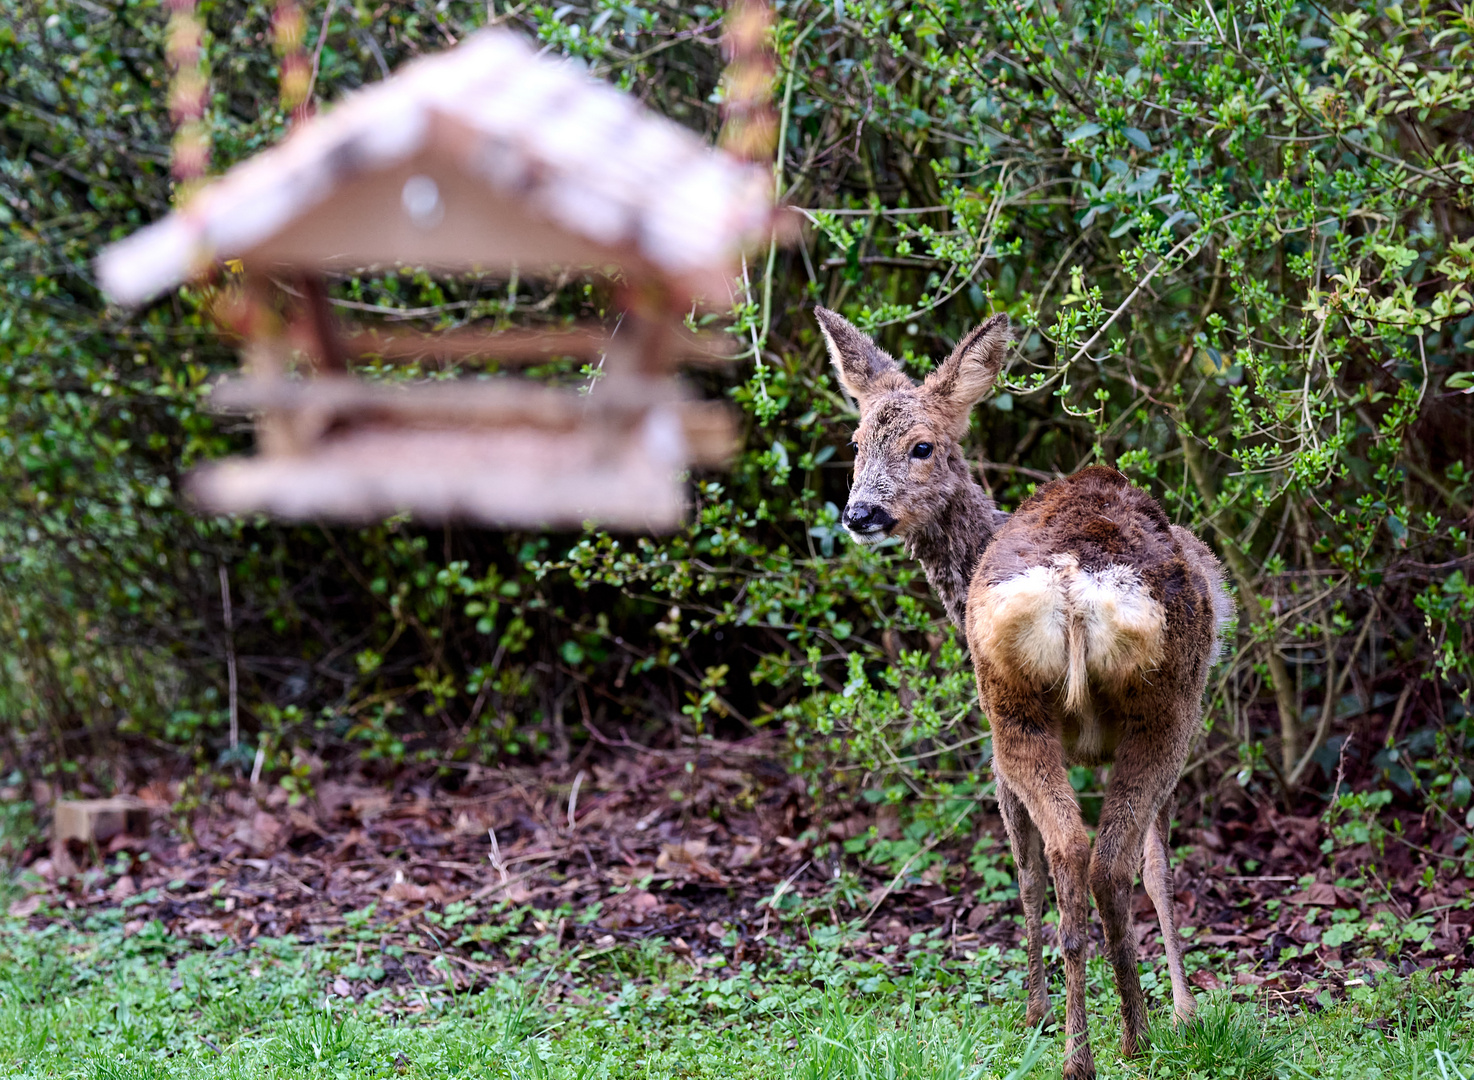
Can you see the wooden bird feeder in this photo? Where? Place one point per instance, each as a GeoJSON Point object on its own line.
{"type": "Point", "coordinates": [486, 158]}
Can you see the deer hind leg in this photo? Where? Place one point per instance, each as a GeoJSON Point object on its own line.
{"type": "Point", "coordinates": [1031, 760]}
{"type": "Point", "coordinates": [1156, 874]}
{"type": "Point", "coordinates": [1145, 775]}
{"type": "Point", "coordinates": [1028, 856]}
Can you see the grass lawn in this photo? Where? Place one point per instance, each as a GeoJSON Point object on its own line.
{"type": "Point", "coordinates": [96, 1000]}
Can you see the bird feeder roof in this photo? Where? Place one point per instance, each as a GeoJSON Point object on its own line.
{"type": "Point", "coordinates": [485, 157]}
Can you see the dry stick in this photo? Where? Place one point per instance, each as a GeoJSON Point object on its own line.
{"type": "Point", "coordinates": [573, 798]}
{"type": "Point", "coordinates": [471, 965]}
{"type": "Point", "coordinates": [895, 881]}
{"type": "Point", "coordinates": [1399, 710]}
{"type": "Point", "coordinates": [907, 865]}
{"type": "Point", "coordinates": [1181, 245]}
{"type": "Point", "coordinates": [1340, 773]}
{"type": "Point", "coordinates": [778, 894]}
{"type": "Point", "coordinates": [1333, 694]}
{"type": "Point", "coordinates": [301, 885]}
{"type": "Point", "coordinates": [496, 857]}
{"type": "Point", "coordinates": [235, 726]}
{"type": "Point", "coordinates": [490, 890]}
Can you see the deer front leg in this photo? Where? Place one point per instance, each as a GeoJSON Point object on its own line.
{"type": "Point", "coordinates": [1028, 856]}
{"type": "Point", "coordinates": [1030, 760]}
{"type": "Point", "coordinates": [1156, 874]}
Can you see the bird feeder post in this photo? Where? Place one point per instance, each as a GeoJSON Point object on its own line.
{"type": "Point", "coordinates": [645, 343]}
{"type": "Point", "coordinates": [265, 357]}
{"type": "Point", "coordinates": [325, 340]}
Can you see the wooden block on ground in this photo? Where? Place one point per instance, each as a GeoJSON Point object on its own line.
{"type": "Point", "coordinates": [98, 820]}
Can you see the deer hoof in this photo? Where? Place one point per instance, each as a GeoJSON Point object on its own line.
{"type": "Point", "coordinates": [1080, 1067]}
{"type": "Point", "coordinates": [1133, 1043]}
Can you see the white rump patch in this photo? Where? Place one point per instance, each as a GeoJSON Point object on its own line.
{"type": "Point", "coordinates": [1122, 623]}
{"type": "Point", "coordinates": [1060, 623]}
{"type": "Point", "coordinates": [1024, 623]}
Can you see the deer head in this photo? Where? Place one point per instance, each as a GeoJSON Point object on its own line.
{"type": "Point", "coordinates": [908, 458]}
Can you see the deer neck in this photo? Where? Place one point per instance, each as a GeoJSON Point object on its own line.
{"type": "Point", "coordinates": [950, 547]}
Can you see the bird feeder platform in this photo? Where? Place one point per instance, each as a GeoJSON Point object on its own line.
{"type": "Point", "coordinates": [486, 159]}
{"type": "Point", "coordinates": [494, 451]}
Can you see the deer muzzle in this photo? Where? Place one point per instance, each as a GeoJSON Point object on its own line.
{"type": "Point", "coordinates": [867, 522]}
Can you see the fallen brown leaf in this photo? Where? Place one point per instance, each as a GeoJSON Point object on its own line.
{"type": "Point", "coordinates": [1204, 979]}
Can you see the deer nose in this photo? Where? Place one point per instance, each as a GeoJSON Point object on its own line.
{"type": "Point", "coordinates": [863, 517]}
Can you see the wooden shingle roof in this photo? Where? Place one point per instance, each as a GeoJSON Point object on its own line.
{"type": "Point", "coordinates": [484, 157]}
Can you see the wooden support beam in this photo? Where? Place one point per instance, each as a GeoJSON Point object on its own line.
{"type": "Point", "coordinates": [327, 341]}
{"type": "Point", "coordinates": [506, 346]}
{"type": "Point", "coordinates": [523, 347]}
{"type": "Point", "coordinates": [710, 433]}
{"type": "Point", "coordinates": [309, 409]}
{"type": "Point", "coordinates": [456, 403]}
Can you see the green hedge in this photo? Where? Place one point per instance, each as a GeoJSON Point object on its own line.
{"type": "Point", "coordinates": [1237, 239]}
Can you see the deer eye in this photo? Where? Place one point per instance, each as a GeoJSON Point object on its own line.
{"type": "Point", "coordinates": [921, 451]}
{"type": "Point", "coordinates": [854, 446]}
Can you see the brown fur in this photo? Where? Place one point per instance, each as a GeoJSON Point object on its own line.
{"type": "Point", "coordinates": [1092, 623]}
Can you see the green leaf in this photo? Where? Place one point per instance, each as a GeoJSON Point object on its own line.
{"type": "Point", "coordinates": [1398, 530]}
{"type": "Point", "coordinates": [1137, 138]}
{"type": "Point", "coordinates": [1084, 131]}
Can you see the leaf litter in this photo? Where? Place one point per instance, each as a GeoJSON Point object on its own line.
{"type": "Point", "coordinates": [717, 855]}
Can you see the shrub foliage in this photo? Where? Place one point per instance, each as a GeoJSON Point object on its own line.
{"type": "Point", "coordinates": [1236, 239]}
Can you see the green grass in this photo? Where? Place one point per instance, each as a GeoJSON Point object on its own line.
{"type": "Point", "coordinates": [1221, 1042]}
{"type": "Point", "coordinates": [98, 1004]}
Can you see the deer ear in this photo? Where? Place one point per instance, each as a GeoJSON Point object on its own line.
{"type": "Point", "coordinates": [961, 380]}
{"type": "Point", "coordinates": [864, 369]}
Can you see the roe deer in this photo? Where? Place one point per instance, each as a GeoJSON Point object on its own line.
{"type": "Point", "coordinates": [1092, 622]}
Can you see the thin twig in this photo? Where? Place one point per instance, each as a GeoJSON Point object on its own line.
{"type": "Point", "coordinates": [778, 187]}
{"type": "Point", "coordinates": [778, 894]}
{"type": "Point", "coordinates": [1181, 245]}
{"type": "Point", "coordinates": [915, 855]}
{"type": "Point", "coordinates": [1328, 707]}
{"type": "Point", "coordinates": [235, 726]}
{"type": "Point", "coordinates": [322, 36]}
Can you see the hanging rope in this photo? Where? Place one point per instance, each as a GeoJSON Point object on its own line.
{"type": "Point", "coordinates": [188, 96]}
{"type": "Point", "coordinates": [289, 36]}
{"type": "Point", "coordinates": [750, 125]}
